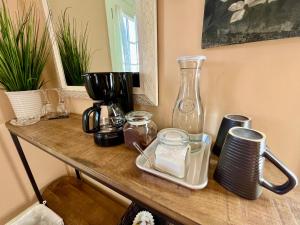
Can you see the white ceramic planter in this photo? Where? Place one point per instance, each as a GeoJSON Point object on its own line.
{"type": "Point", "coordinates": [27, 106]}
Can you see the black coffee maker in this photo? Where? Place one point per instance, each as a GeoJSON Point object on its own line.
{"type": "Point", "coordinates": [112, 95]}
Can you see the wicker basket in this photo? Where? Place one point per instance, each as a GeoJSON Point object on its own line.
{"type": "Point", "coordinates": [27, 106]}
{"type": "Point", "coordinates": [134, 209]}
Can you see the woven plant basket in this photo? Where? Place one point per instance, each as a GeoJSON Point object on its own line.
{"type": "Point", "coordinates": [27, 106]}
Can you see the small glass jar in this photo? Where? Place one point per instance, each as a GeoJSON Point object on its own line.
{"type": "Point", "coordinates": [172, 152]}
{"type": "Point", "coordinates": [140, 129]}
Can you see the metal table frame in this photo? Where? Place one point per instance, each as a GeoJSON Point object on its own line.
{"type": "Point", "coordinates": [78, 175]}
{"type": "Point", "coordinates": [28, 170]}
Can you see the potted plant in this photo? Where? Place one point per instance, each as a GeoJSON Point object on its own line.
{"type": "Point", "coordinates": [23, 54]}
{"type": "Point", "coordinates": [73, 49]}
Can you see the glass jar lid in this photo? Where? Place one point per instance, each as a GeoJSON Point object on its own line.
{"type": "Point", "coordinates": [173, 136]}
{"type": "Point", "coordinates": [138, 117]}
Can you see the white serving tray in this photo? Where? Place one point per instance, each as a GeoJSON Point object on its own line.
{"type": "Point", "coordinates": [197, 174]}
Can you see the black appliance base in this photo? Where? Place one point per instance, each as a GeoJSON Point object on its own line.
{"type": "Point", "coordinates": [109, 139]}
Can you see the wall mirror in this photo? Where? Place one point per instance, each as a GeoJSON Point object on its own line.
{"type": "Point", "coordinates": [121, 37]}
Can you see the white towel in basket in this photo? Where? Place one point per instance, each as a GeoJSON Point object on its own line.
{"type": "Point", "coordinates": [38, 215]}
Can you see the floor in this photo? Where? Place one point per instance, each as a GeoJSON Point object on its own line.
{"type": "Point", "coordinates": [78, 203]}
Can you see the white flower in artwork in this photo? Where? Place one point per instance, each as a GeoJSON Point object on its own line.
{"type": "Point", "coordinates": [252, 3]}
{"type": "Point", "coordinates": [238, 15]}
{"type": "Point", "coordinates": [239, 8]}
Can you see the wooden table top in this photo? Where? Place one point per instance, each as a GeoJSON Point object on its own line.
{"type": "Point", "coordinates": [115, 167]}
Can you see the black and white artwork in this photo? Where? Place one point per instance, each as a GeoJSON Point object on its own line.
{"type": "Point", "coordinates": [229, 22]}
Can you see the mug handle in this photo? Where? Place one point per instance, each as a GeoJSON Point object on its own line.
{"type": "Point", "coordinates": [86, 119]}
{"type": "Point", "coordinates": [288, 185]}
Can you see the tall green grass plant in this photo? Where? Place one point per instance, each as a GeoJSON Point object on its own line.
{"type": "Point", "coordinates": [74, 52]}
{"type": "Point", "coordinates": [23, 50]}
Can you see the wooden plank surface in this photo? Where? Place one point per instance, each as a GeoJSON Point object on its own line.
{"type": "Point", "coordinates": [115, 168]}
{"type": "Point", "coordinates": [80, 204]}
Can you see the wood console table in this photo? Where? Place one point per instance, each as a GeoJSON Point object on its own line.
{"type": "Point", "coordinates": [115, 168]}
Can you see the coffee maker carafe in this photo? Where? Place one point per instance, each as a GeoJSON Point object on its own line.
{"type": "Point", "coordinates": [112, 95]}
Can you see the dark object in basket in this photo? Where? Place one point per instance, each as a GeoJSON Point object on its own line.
{"type": "Point", "coordinates": [134, 209]}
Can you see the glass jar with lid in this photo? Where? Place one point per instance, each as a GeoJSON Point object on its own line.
{"type": "Point", "coordinates": [140, 129]}
{"type": "Point", "coordinates": [173, 138]}
{"type": "Point", "coordinates": [172, 152]}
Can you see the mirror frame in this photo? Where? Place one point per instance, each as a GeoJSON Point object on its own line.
{"type": "Point", "coordinates": [147, 93]}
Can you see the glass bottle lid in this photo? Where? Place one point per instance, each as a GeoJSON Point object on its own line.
{"type": "Point", "coordinates": [173, 136]}
{"type": "Point", "coordinates": [191, 58]}
{"type": "Point", "coordinates": [138, 117]}
{"type": "Point", "coordinates": [191, 62]}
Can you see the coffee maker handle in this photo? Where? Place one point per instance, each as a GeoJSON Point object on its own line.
{"type": "Point", "coordinates": [86, 119]}
{"type": "Point", "coordinates": [288, 185]}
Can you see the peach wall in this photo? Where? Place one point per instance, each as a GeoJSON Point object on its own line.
{"type": "Point", "coordinates": [261, 80]}
{"type": "Point", "coordinates": [15, 191]}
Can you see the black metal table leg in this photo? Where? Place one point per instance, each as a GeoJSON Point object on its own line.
{"type": "Point", "coordinates": [78, 174]}
{"type": "Point", "coordinates": [27, 168]}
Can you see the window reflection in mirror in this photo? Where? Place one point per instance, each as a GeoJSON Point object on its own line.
{"type": "Point", "coordinates": [111, 29]}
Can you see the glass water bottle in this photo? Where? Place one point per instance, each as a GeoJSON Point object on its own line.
{"type": "Point", "coordinates": [188, 112]}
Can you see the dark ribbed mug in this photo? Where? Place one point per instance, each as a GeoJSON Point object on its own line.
{"type": "Point", "coordinates": [241, 164]}
{"type": "Point", "coordinates": [229, 121]}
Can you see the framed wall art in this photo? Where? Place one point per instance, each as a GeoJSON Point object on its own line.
{"type": "Point", "coordinates": [229, 22]}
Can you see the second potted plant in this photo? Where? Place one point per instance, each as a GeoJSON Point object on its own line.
{"type": "Point", "coordinates": [73, 48]}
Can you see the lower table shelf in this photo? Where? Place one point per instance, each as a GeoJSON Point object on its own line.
{"type": "Point", "coordinates": [79, 203]}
